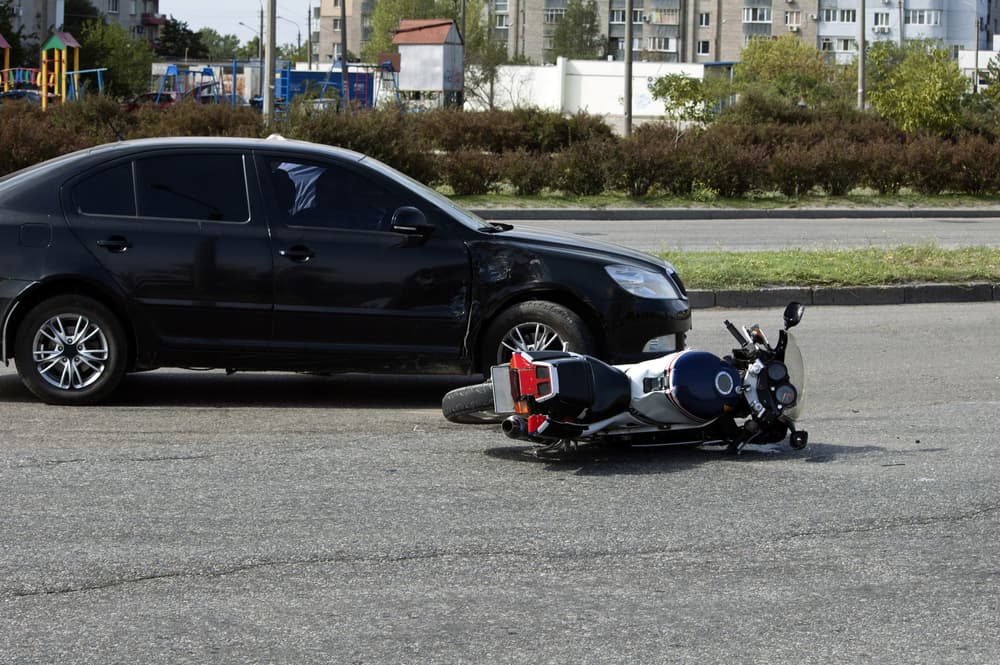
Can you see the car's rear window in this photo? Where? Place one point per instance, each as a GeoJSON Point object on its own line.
{"type": "Point", "coordinates": [107, 192]}
{"type": "Point", "coordinates": [193, 186]}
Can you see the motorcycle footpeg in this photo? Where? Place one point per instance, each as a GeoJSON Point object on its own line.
{"type": "Point", "coordinates": [798, 439]}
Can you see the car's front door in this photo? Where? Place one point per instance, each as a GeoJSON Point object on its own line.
{"type": "Point", "coordinates": [350, 292]}
{"type": "Point", "coordinates": [175, 231]}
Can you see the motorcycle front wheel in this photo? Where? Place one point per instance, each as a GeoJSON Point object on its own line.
{"type": "Point", "coordinates": [471, 405]}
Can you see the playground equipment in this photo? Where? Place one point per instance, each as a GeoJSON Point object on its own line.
{"type": "Point", "coordinates": [54, 79]}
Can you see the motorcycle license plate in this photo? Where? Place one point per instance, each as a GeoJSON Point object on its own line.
{"type": "Point", "coordinates": [503, 399]}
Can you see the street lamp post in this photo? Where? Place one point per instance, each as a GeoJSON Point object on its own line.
{"type": "Point", "coordinates": [298, 42]}
{"type": "Point", "coordinates": [260, 55]}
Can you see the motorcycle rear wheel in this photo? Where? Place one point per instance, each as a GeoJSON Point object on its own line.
{"type": "Point", "coordinates": [471, 405]}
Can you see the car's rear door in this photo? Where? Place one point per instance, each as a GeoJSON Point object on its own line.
{"type": "Point", "coordinates": [350, 293]}
{"type": "Point", "coordinates": [175, 230]}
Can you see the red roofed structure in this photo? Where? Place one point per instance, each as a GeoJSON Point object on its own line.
{"type": "Point", "coordinates": [431, 68]}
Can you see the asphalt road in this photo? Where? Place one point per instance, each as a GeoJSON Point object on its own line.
{"type": "Point", "coordinates": [283, 519]}
{"type": "Point", "coordinates": [749, 234]}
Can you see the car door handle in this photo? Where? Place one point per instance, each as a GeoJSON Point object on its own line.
{"type": "Point", "coordinates": [115, 244]}
{"type": "Point", "coordinates": [298, 253]}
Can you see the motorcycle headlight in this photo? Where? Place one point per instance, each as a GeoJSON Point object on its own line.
{"type": "Point", "coordinates": [643, 283]}
{"type": "Point", "coordinates": [786, 394]}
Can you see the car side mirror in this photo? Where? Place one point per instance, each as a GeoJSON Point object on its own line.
{"type": "Point", "coordinates": [410, 221]}
{"type": "Point", "coordinates": [793, 314]}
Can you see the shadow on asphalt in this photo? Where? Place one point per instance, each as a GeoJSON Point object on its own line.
{"type": "Point", "coordinates": [617, 461]}
{"type": "Point", "coordinates": [271, 389]}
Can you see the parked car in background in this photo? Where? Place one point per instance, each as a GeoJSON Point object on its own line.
{"type": "Point", "coordinates": [20, 94]}
{"type": "Point", "coordinates": [255, 254]}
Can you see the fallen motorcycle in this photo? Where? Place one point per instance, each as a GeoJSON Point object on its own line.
{"type": "Point", "coordinates": [560, 399]}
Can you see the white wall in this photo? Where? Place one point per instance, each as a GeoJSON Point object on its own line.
{"type": "Point", "coordinates": [591, 86]}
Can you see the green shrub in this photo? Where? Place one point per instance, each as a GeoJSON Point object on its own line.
{"type": "Point", "coordinates": [470, 172]}
{"type": "Point", "coordinates": [884, 165]}
{"type": "Point", "coordinates": [582, 168]}
{"type": "Point", "coordinates": [928, 160]}
{"type": "Point", "coordinates": [793, 170]}
{"type": "Point", "coordinates": [974, 166]}
{"type": "Point", "coordinates": [529, 173]}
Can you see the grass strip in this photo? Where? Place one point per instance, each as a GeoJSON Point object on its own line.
{"type": "Point", "coordinates": [870, 266]}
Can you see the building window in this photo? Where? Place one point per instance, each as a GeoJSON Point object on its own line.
{"type": "Point", "coordinates": [845, 45]}
{"type": "Point", "coordinates": [826, 44]}
{"type": "Point", "coordinates": [922, 17]}
{"type": "Point", "coordinates": [501, 6]}
{"type": "Point", "coordinates": [112, 6]}
{"type": "Point", "coordinates": [704, 20]}
{"type": "Point", "coordinates": [503, 21]}
{"type": "Point", "coordinates": [616, 16]}
{"type": "Point", "coordinates": [133, 9]}
{"type": "Point", "coordinates": [637, 16]}
{"type": "Point", "coordinates": [882, 19]}
{"type": "Point", "coordinates": [552, 16]}
{"type": "Point", "coordinates": [793, 19]}
{"type": "Point", "coordinates": [756, 14]}
{"type": "Point", "coordinates": [829, 15]}
{"type": "Point", "coordinates": [663, 44]}
{"type": "Point", "coordinates": [703, 47]}
{"type": "Point", "coordinates": [848, 15]}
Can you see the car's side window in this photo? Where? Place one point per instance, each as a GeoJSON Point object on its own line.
{"type": "Point", "coordinates": [330, 196]}
{"type": "Point", "coordinates": [205, 187]}
{"type": "Point", "coordinates": [107, 192]}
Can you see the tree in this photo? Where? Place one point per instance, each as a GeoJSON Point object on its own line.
{"type": "Point", "coordinates": [790, 70]}
{"type": "Point", "coordinates": [18, 52]}
{"type": "Point", "coordinates": [217, 46]}
{"type": "Point", "coordinates": [578, 33]}
{"type": "Point", "coordinates": [483, 56]}
{"type": "Point", "coordinates": [386, 18]}
{"type": "Point", "coordinates": [76, 13]}
{"type": "Point", "coordinates": [127, 60]}
{"type": "Point", "coordinates": [177, 40]}
{"type": "Point", "coordinates": [690, 99]}
{"type": "Point", "coordinates": [916, 86]}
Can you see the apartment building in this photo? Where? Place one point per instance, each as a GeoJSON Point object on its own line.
{"type": "Point", "coordinates": [39, 18]}
{"type": "Point", "coordinates": [325, 30]}
{"type": "Point", "coordinates": [717, 30]}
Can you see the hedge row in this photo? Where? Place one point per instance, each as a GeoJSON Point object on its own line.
{"type": "Point", "coordinates": [528, 151]}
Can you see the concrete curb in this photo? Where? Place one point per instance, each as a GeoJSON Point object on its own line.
{"type": "Point", "coordinates": [849, 296]}
{"type": "Point", "coordinates": [617, 214]}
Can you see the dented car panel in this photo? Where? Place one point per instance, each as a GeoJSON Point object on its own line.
{"type": "Point", "coordinates": [252, 254]}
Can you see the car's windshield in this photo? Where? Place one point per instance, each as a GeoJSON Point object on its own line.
{"type": "Point", "coordinates": [459, 213]}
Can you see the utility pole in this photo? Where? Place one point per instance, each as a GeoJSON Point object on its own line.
{"type": "Point", "coordinates": [861, 55]}
{"type": "Point", "coordinates": [343, 53]}
{"type": "Point", "coordinates": [628, 68]}
{"type": "Point", "coordinates": [269, 58]}
{"type": "Point", "coordinates": [309, 34]}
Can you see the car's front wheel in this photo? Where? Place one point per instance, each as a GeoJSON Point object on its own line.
{"type": "Point", "coordinates": [70, 350]}
{"type": "Point", "coordinates": [535, 325]}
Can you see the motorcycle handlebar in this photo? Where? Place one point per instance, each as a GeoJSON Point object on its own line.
{"type": "Point", "coordinates": [736, 332]}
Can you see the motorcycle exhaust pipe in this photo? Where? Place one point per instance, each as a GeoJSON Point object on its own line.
{"type": "Point", "coordinates": [515, 428]}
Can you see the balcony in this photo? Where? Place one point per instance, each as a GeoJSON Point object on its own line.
{"type": "Point", "coordinates": [154, 19]}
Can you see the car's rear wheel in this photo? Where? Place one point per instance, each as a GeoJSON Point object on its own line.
{"type": "Point", "coordinates": [535, 325]}
{"type": "Point", "coordinates": [70, 350]}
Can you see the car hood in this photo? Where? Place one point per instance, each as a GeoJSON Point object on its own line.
{"type": "Point", "coordinates": [577, 244]}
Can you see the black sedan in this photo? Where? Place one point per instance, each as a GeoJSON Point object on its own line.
{"type": "Point", "coordinates": [262, 254]}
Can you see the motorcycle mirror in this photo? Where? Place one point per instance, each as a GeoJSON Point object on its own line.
{"type": "Point", "coordinates": [793, 314]}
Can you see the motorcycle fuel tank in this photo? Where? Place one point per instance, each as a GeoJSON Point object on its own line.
{"type": "Point", "coordinates": [691, 387]}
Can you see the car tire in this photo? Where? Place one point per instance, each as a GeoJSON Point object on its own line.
{"type": "Point", "coordinates": [471, 405]}
{"type": "Point", "coordinates": [57, 365]}
{"type": "Point", "coordinates": [535, 325]}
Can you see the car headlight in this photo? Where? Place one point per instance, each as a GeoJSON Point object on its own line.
{"type": "Point", "coordinates": [643, 283]}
